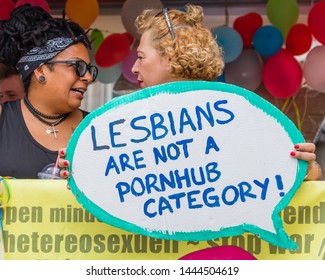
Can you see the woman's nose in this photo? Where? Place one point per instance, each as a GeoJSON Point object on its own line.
{"type": "Point", "coordinates": [134, 68]}
{"type": "Point", "coordinates": [87, 77]}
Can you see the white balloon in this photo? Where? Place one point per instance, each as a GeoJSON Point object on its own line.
{"type": "Point", "coordinates": [246, 71]}
{"type": "Point", "coordinates": [313, 68]}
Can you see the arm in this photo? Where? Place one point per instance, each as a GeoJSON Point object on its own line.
{"type": "Point", "coordinates": [306, 151]}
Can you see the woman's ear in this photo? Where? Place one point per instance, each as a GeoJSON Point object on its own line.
{"type": "Point", "coordinates": [166, 61]}
{"type": "Point", "coordinates": [39, 74]}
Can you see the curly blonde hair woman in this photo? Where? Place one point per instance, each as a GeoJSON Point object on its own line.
{"type": "Point", "coordinates": [181, 42]}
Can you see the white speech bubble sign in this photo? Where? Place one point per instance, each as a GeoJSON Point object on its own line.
{"type": "Point", "coordinates": [188, 161]}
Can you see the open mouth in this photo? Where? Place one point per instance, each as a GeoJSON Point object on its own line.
{"type": "Point", "coordinates": [79, 91]}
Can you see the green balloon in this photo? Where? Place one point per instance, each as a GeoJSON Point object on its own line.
{"type": "Point", "coordinates": [282, 14]}
{"type": "Point", "coordinates": [97, 38]}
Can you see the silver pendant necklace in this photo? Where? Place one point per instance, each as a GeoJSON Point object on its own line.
{"type": "Point", "coordinates": [50, 130]}
{"type": "Point", "coordinates": [53, 130]}
{"type": "Point", "coordinates": [40, 117]}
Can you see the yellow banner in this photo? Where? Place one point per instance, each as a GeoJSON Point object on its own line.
{"type": "Point", "coordinates": [43, 220]}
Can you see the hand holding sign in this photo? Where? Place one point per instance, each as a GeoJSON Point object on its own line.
{"type": "Point", "coordinates": [188, 161]}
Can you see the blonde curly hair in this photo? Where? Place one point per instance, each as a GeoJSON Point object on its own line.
{"type": "Point", "coordinates": [193, 52]}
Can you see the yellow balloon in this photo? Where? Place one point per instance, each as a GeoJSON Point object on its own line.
{"type": "Point", "coordinates": [83, 12]}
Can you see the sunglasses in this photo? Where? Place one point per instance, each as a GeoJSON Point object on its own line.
{"type": "Point", "coordinates": [168, 21]}
{"type": "Point", "coordinates": [80, 67]}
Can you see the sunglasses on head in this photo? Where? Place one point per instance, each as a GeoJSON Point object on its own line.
{"type": "Point", "coordinates": [80, 67]}
{"type": "Point", "coordinates": [164, 12]}
{"type": "Point", "coordinates": [168, 22]}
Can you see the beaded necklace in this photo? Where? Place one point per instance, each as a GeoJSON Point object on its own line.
{"type": "Point", "coordinates": [40, 116]}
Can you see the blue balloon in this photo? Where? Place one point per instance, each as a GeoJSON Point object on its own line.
{"type": "Point", "coordinates": [221, 78]}
{"type": "Point", "coordinates": [230, 41]}
{"type": "Point", "coordinates": [267, 40]}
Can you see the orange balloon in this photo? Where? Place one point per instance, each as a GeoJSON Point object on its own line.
{"type": "Point", "coordinates": [83, 12]}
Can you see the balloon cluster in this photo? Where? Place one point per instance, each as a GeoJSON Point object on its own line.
{"type": "Point", "coordinates": [255, 53]}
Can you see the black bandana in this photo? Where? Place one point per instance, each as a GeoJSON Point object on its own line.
{"type": "Point", "coordinates": [40, 55]}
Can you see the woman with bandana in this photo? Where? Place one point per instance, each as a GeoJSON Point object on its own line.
{"type": "Point", "coordinates": [52, 58]}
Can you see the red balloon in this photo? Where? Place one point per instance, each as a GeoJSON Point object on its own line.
{"type": "Point", "coordinates": [316, 21]}
{"type": "Point", "coordinates": [227, 252]}
{"type": "Point", "coordinates": [6, 7]}
{"type": "Point", "coordinates": [114, 49]}
{"type": "Point", "coordinates": [246, 26]}
{"type": "Point", "coordinates": [299, 39]}
{"type": "Point", "coordinates": [282, 75]}
{"type": "Point", "coordinates": [38, 3]}
{"type": "Point", "coordinates": [131, 38]}
{"type": "Point", "coordinates": [255, 18]}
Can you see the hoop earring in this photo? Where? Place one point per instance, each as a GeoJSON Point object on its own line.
{"type": "Point", "coordinates": [41, 79]}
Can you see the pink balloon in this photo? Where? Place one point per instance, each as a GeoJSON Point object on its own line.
{"type": "Point", "coordinates": [127, 66]}
{"type": "Point", "coordinates": [282, 75]}
{"type": "Point", "coordinates": [220, 253]}
{"type": "Point", "coordinates": [39, 3]}
{"type": "Point", "coordinates": [6, 7]}
{"type": "Point", "coordinates": [314, 68]}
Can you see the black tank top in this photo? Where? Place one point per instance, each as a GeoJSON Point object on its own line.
{"type": "Point", "coordinates": [21, 156]}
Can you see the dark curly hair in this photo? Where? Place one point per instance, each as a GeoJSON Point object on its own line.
{"type": "Point", "coordinates": [29, 27]}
